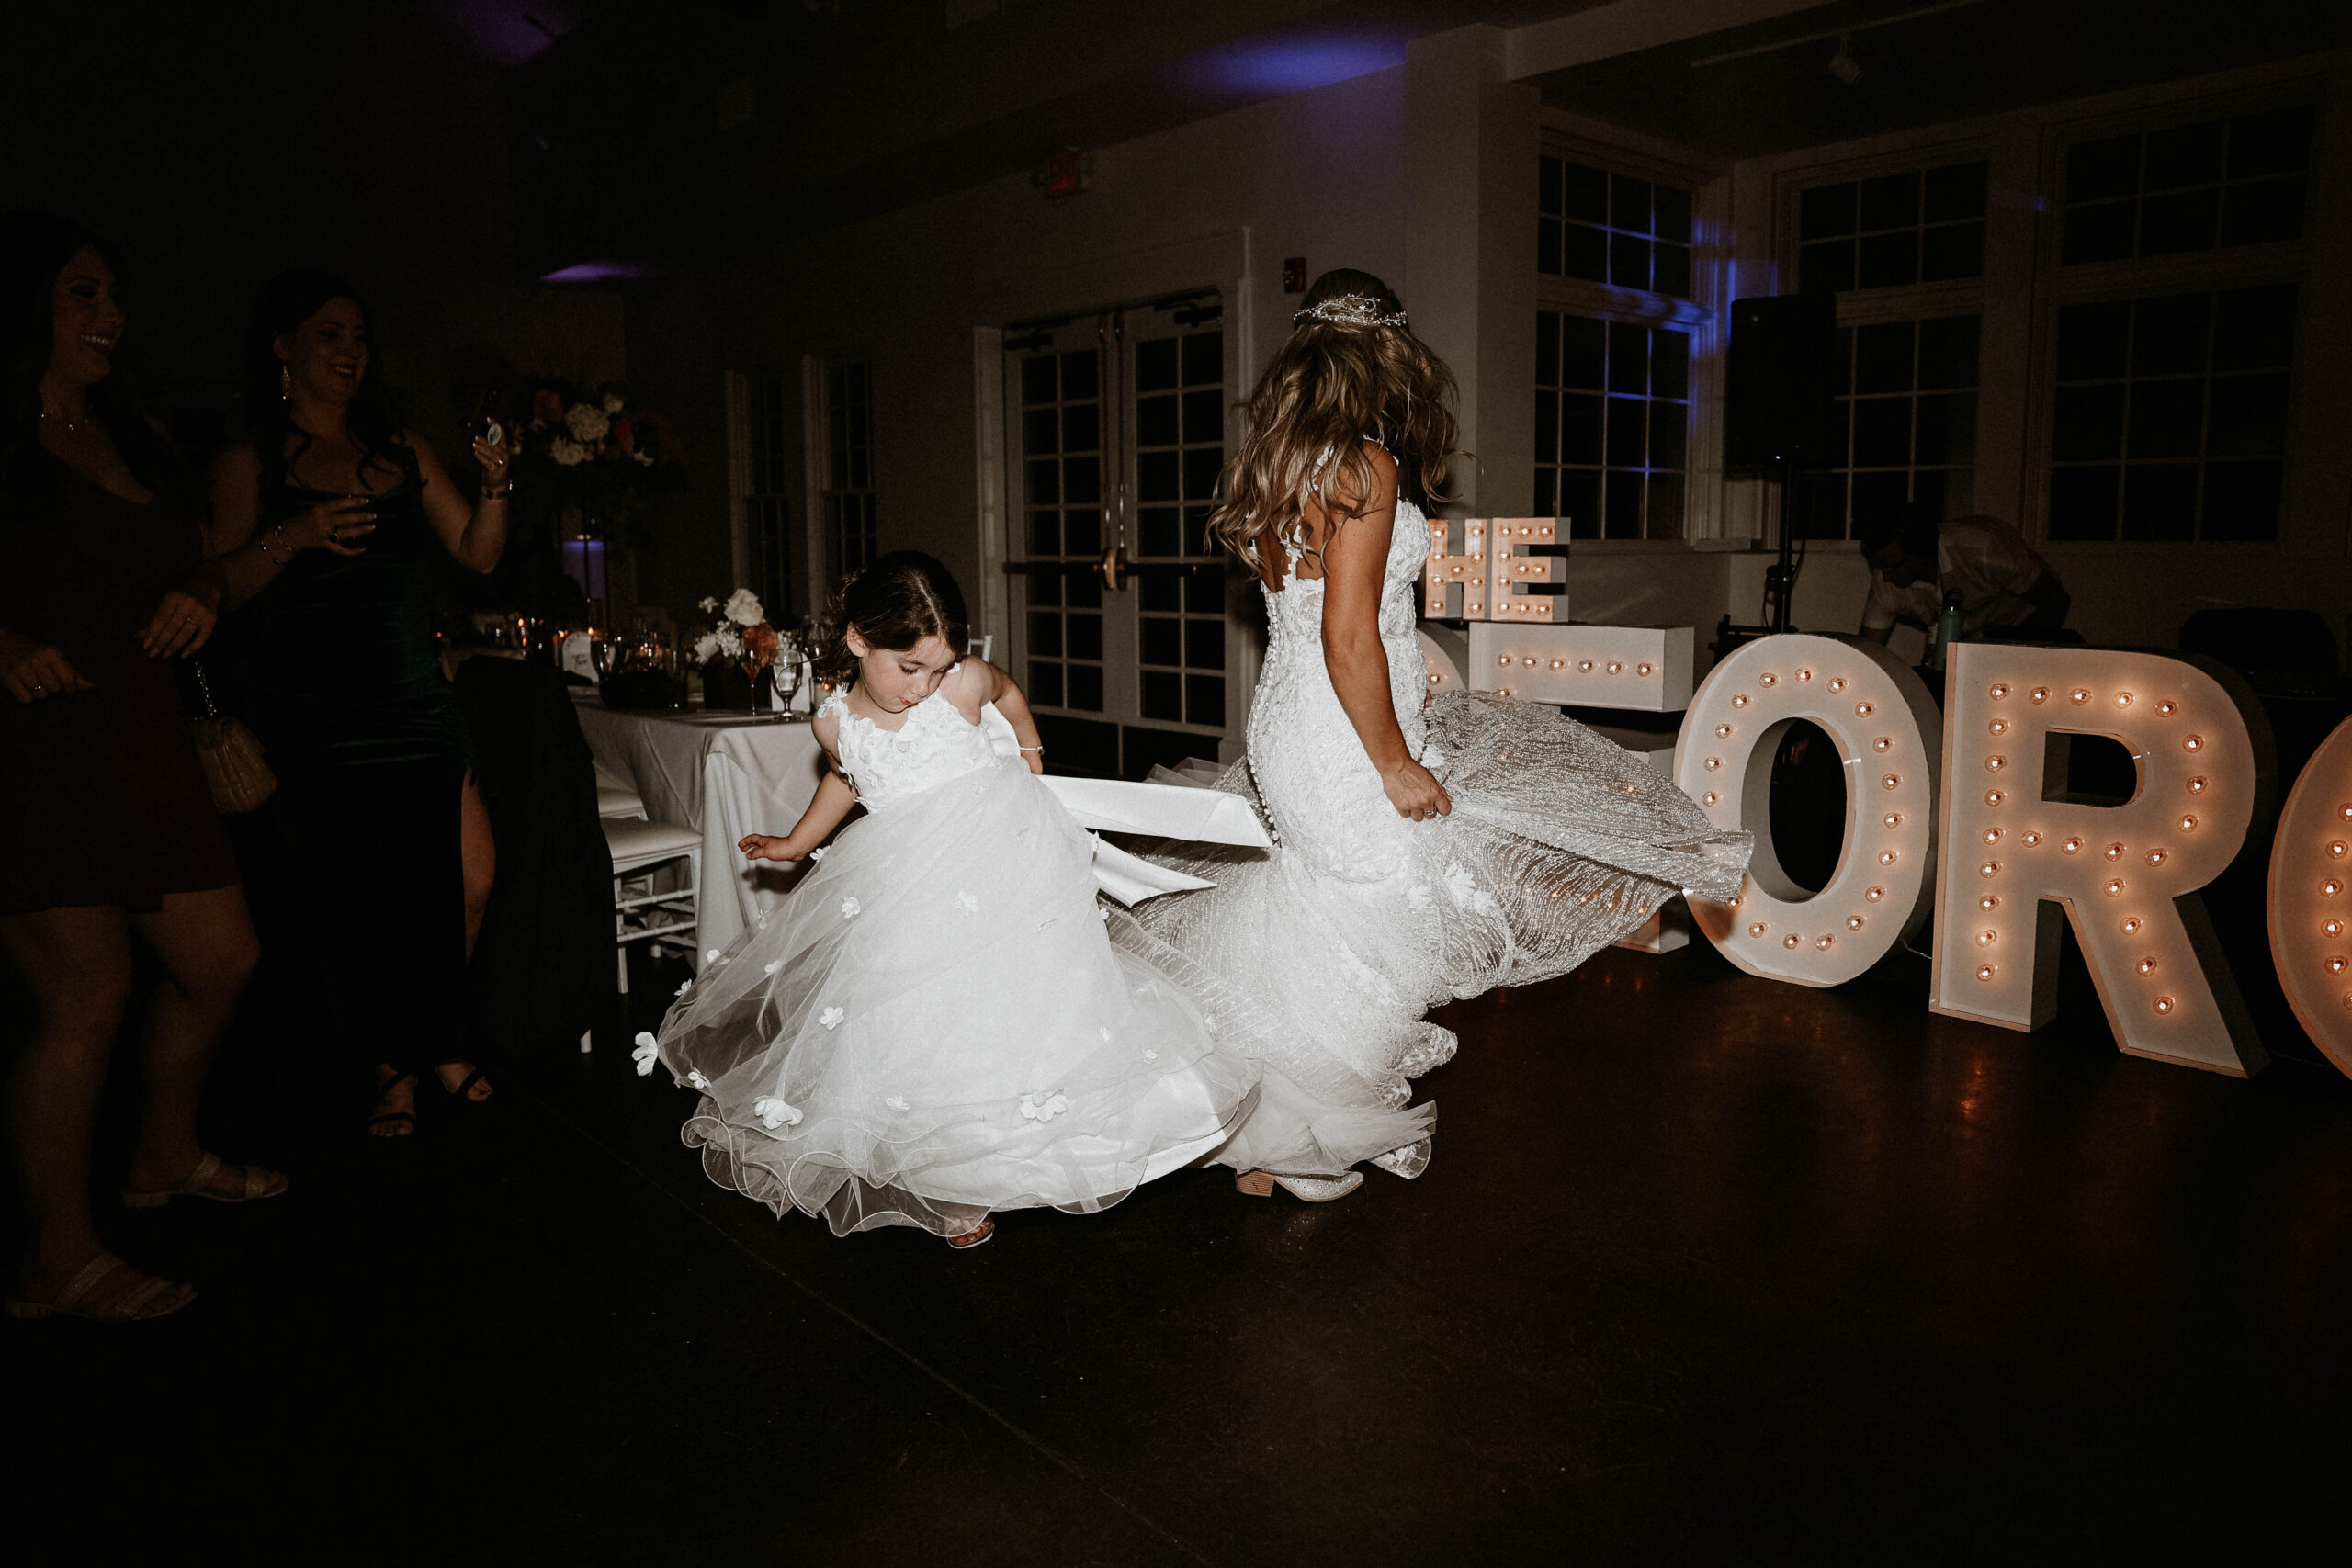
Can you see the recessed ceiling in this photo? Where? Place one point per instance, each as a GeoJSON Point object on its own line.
{"type": "Point", "coordinates": [1949, 64]}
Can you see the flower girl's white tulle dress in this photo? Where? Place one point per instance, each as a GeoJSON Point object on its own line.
{"type": "Point", "coordinates": [935, 1025]}
{"type": "Point", "coordinates": [1319, 959]}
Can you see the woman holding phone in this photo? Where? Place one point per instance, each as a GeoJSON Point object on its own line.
{"type": "Point", "coordinates": [324, 515]}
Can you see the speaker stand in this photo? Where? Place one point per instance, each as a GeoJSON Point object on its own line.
{"type": "Point", "coordinates": [1780, 577]}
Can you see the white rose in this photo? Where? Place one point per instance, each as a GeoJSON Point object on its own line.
{"type": "Point", "coordinates": [571, 454]}
{"type": "Point", "coordinates": [744, 608]}
{"type": "Point", "coordinates": [587, 424]}
{"type": "Point", "coordinates": [611, 405]}
{"type": "Point", "coordinates": [706, 648]}
{"type": "Point", "coordinates": [709, 604]}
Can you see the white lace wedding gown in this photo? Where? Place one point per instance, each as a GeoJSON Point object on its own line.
{"type": "Point", "coordinates": [934, 1025]}
{"type": "Point", "coordinates": [1319, 960]}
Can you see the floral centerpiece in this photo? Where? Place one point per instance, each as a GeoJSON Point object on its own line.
{"type": "Point", "coordinates": [594, 450]}
{"type": "Point", "coordinates": [735, 652]}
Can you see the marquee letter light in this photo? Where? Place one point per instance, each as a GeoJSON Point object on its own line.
{"type": "Point", "coordinates": [1884, 723]}
{"type": "Point", "coordinates": [2311, 898]}
{"type": "Point", "coordinates": [2017, 848]}
{"type": "Point", "coordinates": [1499, 558]}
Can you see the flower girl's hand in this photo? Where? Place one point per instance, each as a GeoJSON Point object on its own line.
{"type": "Point", "coordinates": [1414, 791]}
{"type": "Point", "coordinates": [764, 846]}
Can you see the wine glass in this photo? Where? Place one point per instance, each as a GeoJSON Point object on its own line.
{"type": "Point", "coordinates": [785, 663]}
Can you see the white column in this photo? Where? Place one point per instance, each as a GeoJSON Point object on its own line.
{"type": "Point", "coordinates": [1470, 162]}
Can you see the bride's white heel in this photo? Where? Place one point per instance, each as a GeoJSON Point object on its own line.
{"type": "Point", "coordinates": [1305, 1189]}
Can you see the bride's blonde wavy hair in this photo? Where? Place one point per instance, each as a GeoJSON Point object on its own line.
{"type": "Point", "coordinates": [1352, 369]}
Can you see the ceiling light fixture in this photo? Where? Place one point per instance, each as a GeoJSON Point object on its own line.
{"type": "Point", "coordinates": [1842, 64]}
{"type": "Point", "coordinates": [1842, 34]}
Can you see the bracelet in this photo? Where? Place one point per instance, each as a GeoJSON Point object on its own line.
{"type": "Point", "coordinates": [501, 493]}
{"type": "Point", "coordinates": [1039, 750]}
{"type": "Point", "coordinates": [262, 544]}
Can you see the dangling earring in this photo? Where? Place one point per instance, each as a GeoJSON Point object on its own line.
{"type": "Point", "coordinates": [284, 383]}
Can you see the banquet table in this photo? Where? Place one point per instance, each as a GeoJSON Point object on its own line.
{"type": "Point", "coordinates": [725, 774]}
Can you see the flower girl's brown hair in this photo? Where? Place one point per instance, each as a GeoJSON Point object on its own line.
{"type": "Point", "coordinates": [902, 599]}
{"type": "Point", "coordinates": [1352, 369]}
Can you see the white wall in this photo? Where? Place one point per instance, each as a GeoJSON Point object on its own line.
{"type": "Point", "coordinates": [1219, 202]}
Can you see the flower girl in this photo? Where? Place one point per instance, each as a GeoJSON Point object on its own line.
{"type": "Point", "coordinates": [934, 1025]}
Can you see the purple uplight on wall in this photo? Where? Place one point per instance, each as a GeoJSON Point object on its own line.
{"type": "Point", "coordinates": [508, 32]}
{"type": "Point", "coordinates": [583, 562]}
{"type": "Point", "coordinates": [1292, 65]}
{"type": "Point", "coordinates": [592, 272]}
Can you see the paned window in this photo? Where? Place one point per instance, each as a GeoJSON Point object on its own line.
{"type": "Point", "coordinates": [1061, 453]}
{"type": "Point", "coordinates": [1613, 228]}
{"type": "Point", "coordinates": [2170, 416]}
{"type": "Point", "coordinates": [1907, 405]}
{"type": "Point", "coordinates": [1612, 420]}
{"type": "Point", "coordinates": [1180, 448]}
{"type": "Point", "coordinates": [850, 539]}
{"type": "Point", "coordinates": [771, 432]}
{"type": "Point", "coordinates": [2236, 181]}
{"type": "Point", "coordinates": [1892, 231]}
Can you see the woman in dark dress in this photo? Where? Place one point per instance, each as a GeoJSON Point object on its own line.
{"type": "Point", "coordinates": [107, 826]}
{"type": "Point", "coordinates": [324, 516]}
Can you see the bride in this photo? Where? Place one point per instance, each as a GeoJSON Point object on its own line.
{"type": "Point", "coordinates": [1424, 850]}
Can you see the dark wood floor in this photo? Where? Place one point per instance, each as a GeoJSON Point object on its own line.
{"type": "Point", "coordinates": [1706, 1269]}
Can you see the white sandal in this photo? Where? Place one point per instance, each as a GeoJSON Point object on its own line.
{"type": "Point", "coordinates": [104, 1266]}
{"type": "Point", "coordinates": [197, 1183]}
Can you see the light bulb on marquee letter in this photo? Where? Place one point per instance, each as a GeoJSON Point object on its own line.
{"type": "Point", "coordinates": [1871, 706]}
{"type": "Point", "coordinates": [2192, 745]}
{"type": "Point", "coordinates": [2306, 885]}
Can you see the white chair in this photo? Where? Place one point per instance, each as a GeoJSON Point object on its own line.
{"type": "Point", "coordinates": [618, 800]}
{"type": "Point", "coordinates": [641, 912]}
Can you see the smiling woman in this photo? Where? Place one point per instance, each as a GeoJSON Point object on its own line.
{"type": "Point", "coordinates": [107, 826]}
{"type": "Point", "coordinates": [326, 515]}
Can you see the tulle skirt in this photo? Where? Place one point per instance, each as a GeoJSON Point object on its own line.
{"type": "Point", "coordinates": [1559, 843]}
{"type": "Point", "coordinates": [934, 1025]}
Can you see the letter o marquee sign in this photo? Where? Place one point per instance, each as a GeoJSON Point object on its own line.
{"type": "Point", "coordinates": [1890, 738]}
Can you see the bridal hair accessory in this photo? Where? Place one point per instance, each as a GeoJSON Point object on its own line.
{"type": "Point", "coordinates": [1349, 311]}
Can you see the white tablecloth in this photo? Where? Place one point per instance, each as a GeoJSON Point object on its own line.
{"type": "Point", "coordinates": [726, 775]}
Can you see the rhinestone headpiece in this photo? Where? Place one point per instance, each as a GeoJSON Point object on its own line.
{"type": "Point", "coordinates": [1349, 311]}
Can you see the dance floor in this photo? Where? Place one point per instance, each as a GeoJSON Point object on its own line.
{"type": "Point", "coordinates": [1706, 1269]}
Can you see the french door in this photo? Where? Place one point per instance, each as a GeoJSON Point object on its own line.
{"type": "Point", "coordinates": [1121, 630]}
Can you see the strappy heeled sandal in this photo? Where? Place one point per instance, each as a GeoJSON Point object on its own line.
{"type": "Point", "coordinates": [197, 1183]}
{"type": "Point", "coordinates": [975, 1236]}
{"type": "Point", "coordinates": [129, 1309]}
{"type": "Point", "coordinates": [389, 1117]}
{"type": "Point", "coordinates": [463, 1093]}
{"type": "Point", "coordinates": [1305, 1189]}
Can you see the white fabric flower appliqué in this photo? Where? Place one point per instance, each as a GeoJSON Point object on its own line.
{"type": "Point", "coordinates": [1151, 1056]}
{"type": "Point", "coordinates": [710, 955]}
{"type": "Point", "coordinates": [683, 986]}
{"type": "Point", "coordinates": [830, 1017]}
{"type": "Point", "coordinates": [695, 1078]}
{"type": "Point", "coordinates": [818, 853]}
{"type": "Point", "coordinates": [849, 907]}
{"type": "Point", "coordinates": [772, 967]}
{"type": "Point", "coordinates": [1042, 1109]}
{"type": "Point", "coordinates": [1459, 884]}
{"type": "Point", "coordinates": [896, 1102]}
{"type": "Point", "coordinates": [647, 1053]}
{"type": "Point", "coordinates": [773, 1113]}
{"type": "Point", "coordinates": [971, 904]}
